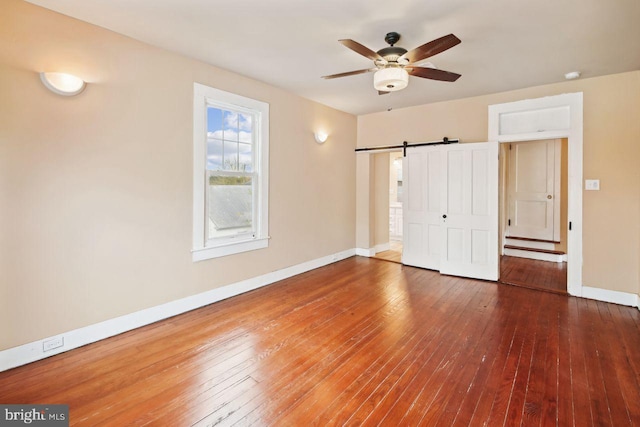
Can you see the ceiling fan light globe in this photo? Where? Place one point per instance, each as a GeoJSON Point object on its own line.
{"type": "Point", "coordinates": [390, 79]}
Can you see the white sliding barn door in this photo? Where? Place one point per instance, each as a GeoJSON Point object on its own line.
{"type": "Point", "coordinates": [470, 211]}
{"type": "Point", "coordinates": [421, 207]}
{"type": "Point", "coordinates": [451, 221]}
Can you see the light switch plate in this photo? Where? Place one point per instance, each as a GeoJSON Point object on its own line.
{"type": "Point", "coordinates": [592, 184]}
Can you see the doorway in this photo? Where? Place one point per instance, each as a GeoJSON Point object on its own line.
{"type": "Point", "coordinates": [394, 251]}
{"type": "Point", "coordinates": [533, 206]}
{"type": "Point", "coordinates": [556, 116]}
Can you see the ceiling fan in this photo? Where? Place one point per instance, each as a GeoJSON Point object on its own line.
{"type": "Point", "coordinates": [393, 64]}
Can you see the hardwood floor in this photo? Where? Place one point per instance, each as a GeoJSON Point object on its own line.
{"type": "Point", "coordinates": [534, 274]}
{"type": "Point", "coordinates": [359, 342]}
{"type": "Point", "coordinates": [394, 254]}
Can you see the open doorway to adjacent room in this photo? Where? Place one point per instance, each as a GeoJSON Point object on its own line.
{"type": "Point", "coordinates": [394, 252]}
{"type": "Point", "coordinates": [533, 207]}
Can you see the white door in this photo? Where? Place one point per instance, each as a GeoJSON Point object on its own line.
{"type": "Point", "coordinates": [533, 188]}
{"type": "Point", "coordinates": [470, 211]}
{"type": "Point", "coordinates": [451, 209]}
{"type": "Point", "coordinates": [421, 207]}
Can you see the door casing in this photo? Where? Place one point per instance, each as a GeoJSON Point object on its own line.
{"type": "Point", "coordinates": [563, 118]}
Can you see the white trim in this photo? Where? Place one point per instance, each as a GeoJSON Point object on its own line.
{"type": "Point", "coordinates": [33, 351]}
{"type": "Point", "coordinates": [202, 97]}
{"type": "Point", "coordinates": [228, 249]}
{"type": "Point", "coordinates": [616, 297]}
{"type": "Point", "coordinates": [366, 252]}
{"type": "Point", "coordinates": [383, 247]}
{"type": "Point", "coordinates": [574, 134]}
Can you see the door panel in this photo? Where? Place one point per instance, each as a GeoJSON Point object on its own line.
{"type": "Point", "coordinates": [454, 182]}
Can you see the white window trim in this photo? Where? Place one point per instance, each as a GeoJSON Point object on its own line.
{"type": "Point", "coordinates": [202, 250]}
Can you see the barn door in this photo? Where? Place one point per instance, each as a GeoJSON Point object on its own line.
{"type": "Point", "coordinates": [452, 209]}
{"type": "Point", "coordinates": [470, 211]}
{"type": "Point", "coordinates": [421, 208]}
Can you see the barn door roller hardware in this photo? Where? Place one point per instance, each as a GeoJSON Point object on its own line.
{"type": "Point", "coordinates": [405, 145]}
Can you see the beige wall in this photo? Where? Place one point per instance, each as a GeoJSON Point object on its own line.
{"type": "Point", "coordinates": [611, 236]}
{"type": "Point", "coordinates": [381, 203]}
{"type": "Point", "coordinates": [96, 190]}
{"type": "Point", "coordinates": [365, 200]}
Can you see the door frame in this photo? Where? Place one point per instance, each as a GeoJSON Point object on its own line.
{"type": "Point", "coordinates": [559, 116]}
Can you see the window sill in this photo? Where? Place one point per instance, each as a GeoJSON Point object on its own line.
{"type": "Point", "coordinates": [231, 248]}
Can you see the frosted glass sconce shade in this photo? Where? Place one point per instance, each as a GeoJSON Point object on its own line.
{"type": "Point", "coordinates": [62, 83]}
{"type": "Point", "coordinates": [320, 137]}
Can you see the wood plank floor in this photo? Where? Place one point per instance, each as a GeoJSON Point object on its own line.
{"type": "Point", "coordinates": [394, 253]}
{"type": "Point", "coordinates": [359, 342]}
{"type": "Point", "coordinates": [534, 274]}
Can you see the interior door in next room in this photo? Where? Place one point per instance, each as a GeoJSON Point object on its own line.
{"type": "Point", "coordinates": [533, 187]}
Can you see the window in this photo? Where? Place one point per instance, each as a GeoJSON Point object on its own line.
{"type": "Point", "coordinates": [230, 176]}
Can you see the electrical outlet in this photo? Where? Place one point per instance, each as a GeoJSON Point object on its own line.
{"type": "Point", "coordinates": [52, 343]}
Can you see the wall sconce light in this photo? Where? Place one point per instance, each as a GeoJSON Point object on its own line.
{"type": "Point", "coordinates": [321, 137]}
{"type": "Point", "coordinates": [62, 83]}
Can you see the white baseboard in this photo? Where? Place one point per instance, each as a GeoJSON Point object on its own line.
{"type": "Point", "coordinates": [383, 247]}
{"type": "Point", "coordinates": [622, 298]}
{"type": "Point", "coordinates": [369, 252]}
{"type": "Point", "coordinates": [33, 351]}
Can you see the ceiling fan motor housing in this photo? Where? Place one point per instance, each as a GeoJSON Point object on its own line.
{"type": "Point", "coordinates": [392, 53]}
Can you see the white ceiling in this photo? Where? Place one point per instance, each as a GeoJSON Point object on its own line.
{"type": "Point", "coordinates": [506, 44]}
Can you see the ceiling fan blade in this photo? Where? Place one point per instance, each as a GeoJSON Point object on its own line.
{"type": "Point", "coordinates": [433, 74]}
{"type": "Point", "coordinates": [362, 50]}
{"type": "Point", "coordinates": [349, 73]}
{"type": "Point", "coordinates": [382, 92]}
{"type": "Point", "coordinates": [432, 48]}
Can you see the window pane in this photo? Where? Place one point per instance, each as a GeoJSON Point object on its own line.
{"type": "Point", "coordinates": [214, 154]}
{"type": "Point", "coordinates": [231, 162]}
{"type": "Point", "coordinates": [245, 125]}
{"type": "Point", "coordinates": [214, 122]}
{"type": "Point", "coordinates": [245, 154]}
{"type": "Point", "coordinates": [230, 126]}
{"type": "Point", "coordinates": [229, 206]}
